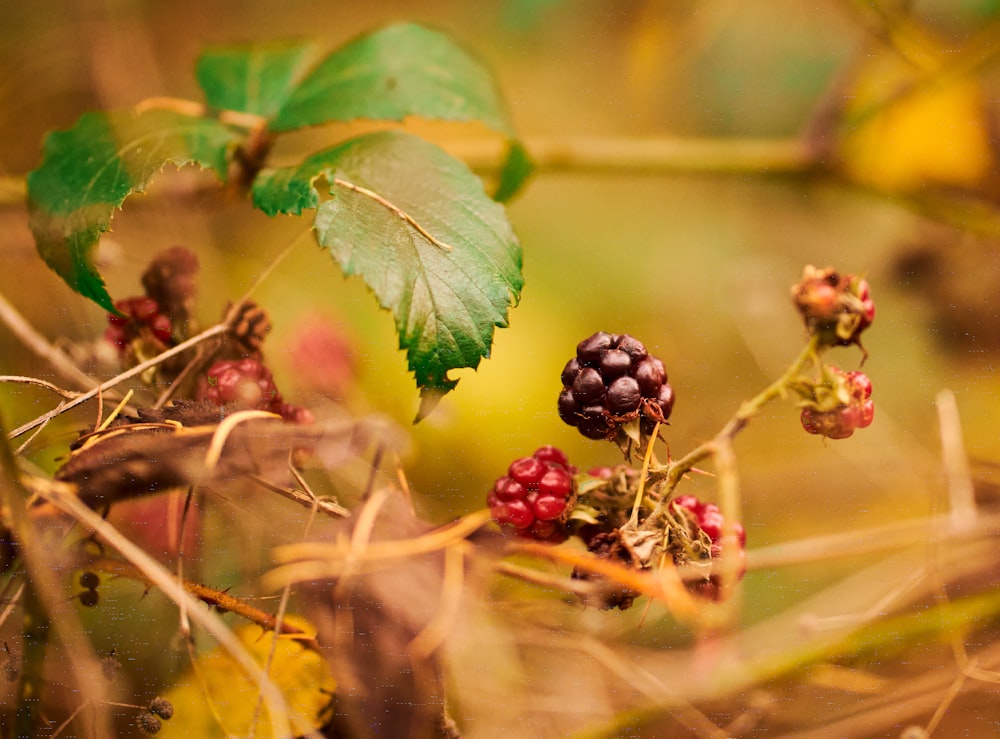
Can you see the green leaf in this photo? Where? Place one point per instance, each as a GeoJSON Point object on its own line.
{"type": "Point", "coordinates": [255, 78]}
{"type": "Point", "coordinates": [89, 170]}
{"type": "Point", "coordinates": [417, 226]}
{"type": "Point", "coordinates": [399, 71]}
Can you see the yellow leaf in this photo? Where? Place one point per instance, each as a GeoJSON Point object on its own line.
{"type": "Point", "coordinates": [220, 692]}
{"type": "Point", "coordinates": [906, 127]}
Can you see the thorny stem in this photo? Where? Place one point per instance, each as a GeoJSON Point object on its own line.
{"type": "Point", "coordinates": [218, 599]}
{"type": "Point", "coordinates": [671, 473]}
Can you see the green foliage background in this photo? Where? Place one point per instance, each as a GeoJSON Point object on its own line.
{"type": "Point", "coordinates": [696, 266]}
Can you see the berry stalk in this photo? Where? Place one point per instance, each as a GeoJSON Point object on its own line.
{"type": "Point", "coordinates": [670, 474]}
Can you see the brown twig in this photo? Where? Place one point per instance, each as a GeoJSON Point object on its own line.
{"type": "Point", "coordinates": [216, 330]}
{"type": "Point", "coordinates": [218, 599]}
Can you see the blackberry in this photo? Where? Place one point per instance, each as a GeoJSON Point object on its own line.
{"type": "Point", "coordinates": [844, 407]}
{"type": "Point", "coordinates": [140, 316]}
{"type": "Point", "coordinates": [533, 499]}
{"type": "Point", "coordinates": [246, 384]}
{"type": "Point", "coordinates": [613, 381]}
{"type": "Point", "coordinates": [837, 308]}
{"type": "Point", "coordinates": [706, 520]}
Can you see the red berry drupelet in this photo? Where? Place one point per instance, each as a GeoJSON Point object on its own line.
{"type": "Point", "coordinates": [707, 519]}
{"type": "Point", "coordinates": [139, 315]}
{"type": "Point", "coordinates": [247, 384]}
{"type": "Point", "coordinates": [842, 406]}
{"type": "Point", "coordinates": [611, 381]}
{"type": "Point", "coordinates": [533, 499]}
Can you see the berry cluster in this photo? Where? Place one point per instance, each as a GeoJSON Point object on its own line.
{"type": "Point", "coordinates": [706, 519]}
{"type": "Point", "coordinates": [842, 405]}
{"type": "Point", "coordinates": [535, 495]}
{"type": "Point", "coordinates": [836, 307]}
{"type": "Point", "coordinates": [247, 384]}
{"type": "Point", "coordinates": [139, 316]}
{"type": "Point", "coordinates": [611, 381]}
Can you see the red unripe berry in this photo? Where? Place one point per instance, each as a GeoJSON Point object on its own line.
{"type": "Point", "coordinates": [533, 496]}
{"type": "Point", "coordinates": [137, 312]}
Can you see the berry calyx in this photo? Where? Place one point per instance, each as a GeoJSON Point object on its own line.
{"type": "Point", "coordinates": [839, 405]}
{"type": "Point", "coordinates": [534, 498]}
{"type": "Point", "coordinates": [835, 307]}
{"type": "Point", "coordinates": [613, 381]}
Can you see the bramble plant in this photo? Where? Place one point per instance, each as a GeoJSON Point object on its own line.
{"type": "Point", "coordinates": [614, 389]}
{"type": "Point", "coordinates": [267, 555]}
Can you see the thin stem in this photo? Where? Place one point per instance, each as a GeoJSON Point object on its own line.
{"type": "Point", "coordinates": [647, 155]}
{"type": "Point", "coordinates": [40, 383]}
{"type": "Point", "coordinates": [659, 155]}
{"type": "Point", "coordinates": [216, 330]}
{"type": "Point", "coordinates": [672, 472]}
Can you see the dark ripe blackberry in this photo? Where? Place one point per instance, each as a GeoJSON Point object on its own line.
{"type": "Point", "coordinates": [611, 382]}
{"type": "Point", "coordinates": [588, 387]}
{"type": "Point", "coordinates": [623, 396]}
{"type": "Point", "coordinates": [589, 350]}
{"type": "Point", "coordinates": [614, 364]}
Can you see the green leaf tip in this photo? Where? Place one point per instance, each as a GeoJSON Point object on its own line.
{"type": "Point", "coordinates": [89, 170]}
{"type": "Point", "coordinates": [417, 226]}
